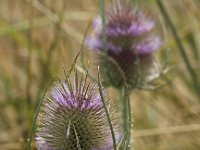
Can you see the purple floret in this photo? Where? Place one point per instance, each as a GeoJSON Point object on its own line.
{"type": "Point", "coordinates": [148, 46]}
{"type": "Point", "coordinates": [139, 28]}
{"type": "Point", "coordinates": [137, 31]}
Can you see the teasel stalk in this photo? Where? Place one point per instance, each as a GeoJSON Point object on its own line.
{"type": "Point", "coordinates": [182, 50]}
{"type": "Point", "coordinates": [77, 116]}
{"type": "Point", "coordinates": [125, 42]}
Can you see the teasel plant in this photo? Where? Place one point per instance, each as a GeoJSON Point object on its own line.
{"type": "Point", "coordinates": [76, 115]}
{"type": "Point", "coordinates": [125, 40]}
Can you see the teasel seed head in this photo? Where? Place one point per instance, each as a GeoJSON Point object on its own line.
{"type": "Point", "coordinates": [131, 44]}
{"type": "Point", "coordinates": [72, 117]}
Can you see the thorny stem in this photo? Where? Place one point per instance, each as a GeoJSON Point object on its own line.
{"type": "Point", "coordinates": [180, 46]}
{"type": "Point", "coordinates": [82, 48]}
{"type": "Point", "coordinates": [104, 37]}
{"type": "Point", "coordinates": [124, 109]}
{"type": "Point", "coordinates": [107, 112]}
{"type": "Point", "coordinates": [124, 91]}
{"type": "Point", "coordinates": [47, 63]}
{"type": "Point", "coordinates": [103, 17]}
{"type": "Point", "coordinates": [129, 118]}
{"type": "Point", "coordinates": [39, 104]}
{"type": "Point", "coordinates": [29, 59]}
{"type": "Point", "coordinates": [126, 113]}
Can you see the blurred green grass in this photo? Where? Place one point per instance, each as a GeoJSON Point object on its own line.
{"type": "Point", "coordinates": [39, 38]}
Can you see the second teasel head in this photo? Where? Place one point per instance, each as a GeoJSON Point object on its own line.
{"type": "Point", "coordinates": [131, 42]}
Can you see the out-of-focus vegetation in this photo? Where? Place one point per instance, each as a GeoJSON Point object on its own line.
{"type": "Point", "coordinates": [40, 37]}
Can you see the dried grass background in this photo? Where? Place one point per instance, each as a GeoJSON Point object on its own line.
{"type": "Point", "coordinates": [40, 37]}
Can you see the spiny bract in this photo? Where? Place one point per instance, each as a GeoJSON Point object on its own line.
{"type": "Point", "coordinates": [72, 117]}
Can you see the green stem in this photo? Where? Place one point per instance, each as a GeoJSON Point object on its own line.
{"type": "Point", "coordinates": [129, 117]}
{"type": "Point", "coordinates": [124, 109]}
{"type": "Point", "coordinates": [107, 113]}
{"type": "Point", "coordinates": [103, 18]}
{"type": "Point", "coordinates": [104, 39]}
{"type": "Point", "coordinates": [29, 59]}
{"type": "Point", "coordinates": [126, 113]}
{"type": "Point", "coordinates": [82, 47]}
{"type": "Point", "coordinates": [180, 46]}
{"type": "Point", "coordinates": [39, 104]}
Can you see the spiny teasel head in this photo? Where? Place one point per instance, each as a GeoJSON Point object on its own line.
{"type": "Point", "coordinates": [131, 43]}
{"type": "Point", "coordinates": [72, 117]}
